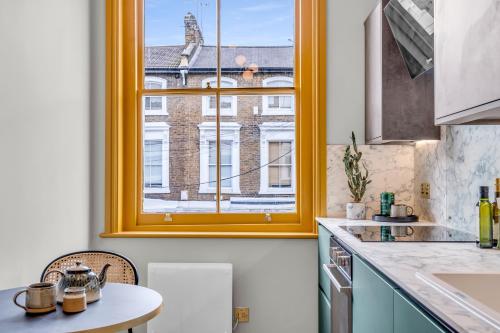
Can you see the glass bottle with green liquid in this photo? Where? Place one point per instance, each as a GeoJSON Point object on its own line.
{"type": "Point", "coordinates": [496, 213]}
{"type": "Point", "coordinates": [485, 218]}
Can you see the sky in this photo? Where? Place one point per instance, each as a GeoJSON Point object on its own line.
{"type": "Point", "coordinates": [243, 22]}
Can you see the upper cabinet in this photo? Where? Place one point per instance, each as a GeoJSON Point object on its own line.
{"type": "Point", "coordinates": [467, 61]}
{"type": "Point", "coordinates": [397, 107]}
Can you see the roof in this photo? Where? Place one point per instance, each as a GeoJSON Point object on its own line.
{"type": "Point", "coordinates": [262, 56]}
{"type": "Point", "coordinates": [232, 57]}
{"type": "Point", "coordinates": [163, 56]}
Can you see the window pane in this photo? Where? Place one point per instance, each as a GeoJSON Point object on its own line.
{"type": "Point", "coordinates": [286, 102]}
{"type": "Point", "coordinates": [179, 174]}
{"type": "Point", "coordinates": [213, 102]}
{"type": "Point", "coordinates": [257, 154]}
{"type": "Point", "coordinates": [285, 176]}
{"type": "Point", "coordinates": [280, 176]}
{"type": "Point", "coordinates": [152, 85]}
{"type": "Point", "coordinates": [274, 176]}
{"type": "Point", "coordinates": [154, 103]}
{"type": "Point", "coordinates": [225, 152]}
{"type": "Point", "coordinates": [280, 170]}
{"type": "Point", "coordinates": [229, 137]}
{"type": "Point", "coordinates": [257, 37]}
{"type": "Point", "coordinates": [180, 39]}
{"type": "Point", "coordinates": [212, 153]}
{"type": "Point", "coordinates": [283, 102]}
{"type": "Point", "coordinates": [272, 82]}
{"type": "Point", "coordinates": [147, 103]}
{"type": "Point", "coordinates": [225, 164]}
{"type": "Point", "coordinates": [285, 147]}
{"type": "Point", "coordinates": [226, 176]}
{"type": "Point", "coordinates": [278, 105]}
{"type": "Point", "coordinates": [274, 101]}
{"type": "Point", "coordinates": [212, 176]}
{"type": "Point", "coordinates": [274, 152]}
{"type": "Point", "coordinates": [152, 163]}
{"type": "Point", "coordinates": [225, 102]}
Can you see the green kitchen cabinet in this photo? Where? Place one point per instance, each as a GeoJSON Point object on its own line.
{"type": "Point", "coordinates": [378, 304]}
{"type": "Point", "coordinates": [324, 258]}
{"type": "Point", "coordinates": [373, 300]}
{"type": "Point", "coordinates": [325, 313]}
{"type": "Point", "coordinates": [408, 318]}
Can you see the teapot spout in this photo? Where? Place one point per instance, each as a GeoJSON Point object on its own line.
{"type": "Point", "coordinates": [102, 275]}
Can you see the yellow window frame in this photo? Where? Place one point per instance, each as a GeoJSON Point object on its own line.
{"type": "Point", "coordinates": [124, 89]}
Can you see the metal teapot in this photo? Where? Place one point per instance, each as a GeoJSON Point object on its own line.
{"type": "Point", "coordinates": [81, 276]}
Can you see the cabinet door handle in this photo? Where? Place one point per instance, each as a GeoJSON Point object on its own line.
{"type": "Point", "coordinates": [342, 287]}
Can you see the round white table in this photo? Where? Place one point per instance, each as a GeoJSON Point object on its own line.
{"type": "Point", "coordinates": [122, 306]}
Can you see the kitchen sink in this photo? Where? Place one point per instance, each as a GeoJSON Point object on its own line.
{"type": "Point", "coordinates": [484, 288]}
{"type": "Point", "coordinates": [477, 292]}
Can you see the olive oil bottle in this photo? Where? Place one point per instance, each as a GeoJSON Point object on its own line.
{"type": "Point", "coordinates": [496, 212]}
{"type": "Point", "coordinates": [485, 219]}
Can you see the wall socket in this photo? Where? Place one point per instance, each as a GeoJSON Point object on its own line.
{"type": "Point", "coordinates": [425, 190]}
{"type": "Point", "coordinates": [242, 314]}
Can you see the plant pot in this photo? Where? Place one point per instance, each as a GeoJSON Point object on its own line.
{"type": "Point", "coordinates": [355, 211]}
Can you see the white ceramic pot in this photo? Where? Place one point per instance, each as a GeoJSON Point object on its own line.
{"type": "Point", "coordinates": [355, 211]}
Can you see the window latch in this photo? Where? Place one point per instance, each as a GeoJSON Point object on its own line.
{"type": "Point", "coordinates": [167, 217]}
{"type": "Point", "coordinates": [267, 218]}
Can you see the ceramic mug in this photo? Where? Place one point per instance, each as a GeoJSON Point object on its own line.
{"type": "Point", "coordinates": [401, 210]}
{"type": "Point", "coordinates": [402, 231]}
{"type": "Point", "coordinates": [40, 297]}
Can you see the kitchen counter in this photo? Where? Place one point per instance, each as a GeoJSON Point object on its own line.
{"type": "Point", "coordinates": [401, 261]}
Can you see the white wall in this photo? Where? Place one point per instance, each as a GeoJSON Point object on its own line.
{"type": "Point", "coordinates": [44, 134]}
{"type": "Point", "coordinates": [346, 69]}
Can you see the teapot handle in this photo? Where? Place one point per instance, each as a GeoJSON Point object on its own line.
{"type": "Point", "coordinates": [52, 271]}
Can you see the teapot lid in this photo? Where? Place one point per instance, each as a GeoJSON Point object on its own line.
{"type": "Point", "coordinates": [78, 268]}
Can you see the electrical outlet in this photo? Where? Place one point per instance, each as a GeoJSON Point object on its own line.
{"type": "Point", "coordinates": [242, 314]}
{"type": "Point", "coordinates": [425, 190]}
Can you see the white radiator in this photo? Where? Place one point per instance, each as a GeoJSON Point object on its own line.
{"type": "Point", "coordinates": [197, 298]}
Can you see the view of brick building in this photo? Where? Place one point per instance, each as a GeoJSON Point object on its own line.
{"type": "Point", "coordinates": [257, 132]}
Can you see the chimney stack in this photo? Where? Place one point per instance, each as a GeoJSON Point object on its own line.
{"type": "Point", "coordinates": [192, 32]}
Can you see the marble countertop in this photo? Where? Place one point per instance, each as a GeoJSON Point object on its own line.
{"type": "Point", "coordinates": [401, 261]}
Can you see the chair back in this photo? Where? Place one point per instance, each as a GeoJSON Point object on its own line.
{"type": "Point", "coordinates": [122, 270]}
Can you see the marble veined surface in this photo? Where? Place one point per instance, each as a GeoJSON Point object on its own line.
{"type": "Point", "coordinates": [390, 169]}
{"type": "Point", "coordinates": [466, 157]}
{"type": "Point", "coordinates": [401, 261]}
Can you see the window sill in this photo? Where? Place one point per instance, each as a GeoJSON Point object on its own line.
{"type": "Point", "coordinates": [164, 190]}
{"type": "Point", "coordinates": [277, 112]}
{"type": "Point", "coordinates": [164, 234]}
{"type": "Point", "coordinates": [223, 113]}
{"type": "Point", "coordinates": [277, 192]}
{"type": "Point", "coordinates": [224, 190]}
{"type": "Point", "coordinates": [155, 113]}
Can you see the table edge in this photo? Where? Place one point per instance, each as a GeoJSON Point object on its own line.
{"type": "Point", "coordinates": [126, 324]}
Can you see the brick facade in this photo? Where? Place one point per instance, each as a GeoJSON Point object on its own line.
{"type": "Point", "coordinates": [185, 112]}
{"type": "Point", "coordinates": [184, 116]}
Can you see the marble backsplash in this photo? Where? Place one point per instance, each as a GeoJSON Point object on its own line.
{"type": "Point", "coordinates": [466, 157]}
{"type": "Point", "coordinates": [391, 169]}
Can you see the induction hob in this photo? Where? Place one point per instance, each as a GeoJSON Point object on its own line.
{"type": "Point", "coordinates": [398, 233]}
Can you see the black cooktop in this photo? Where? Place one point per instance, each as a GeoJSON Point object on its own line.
{"type": "Point", "coordinates": [398, 233]}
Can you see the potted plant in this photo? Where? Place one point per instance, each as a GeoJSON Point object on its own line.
{"type": "Point", "coordinates": [356, 180]}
